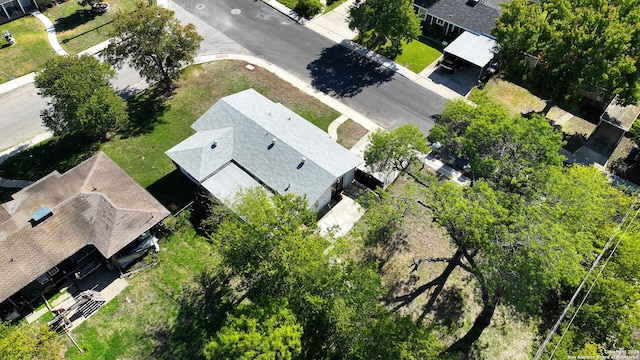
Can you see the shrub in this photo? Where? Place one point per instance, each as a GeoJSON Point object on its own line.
{"type": "Point", "coordinates": [308, 8]}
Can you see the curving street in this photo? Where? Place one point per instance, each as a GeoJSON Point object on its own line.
{"type": "Point", "coordinates": [374, 91]}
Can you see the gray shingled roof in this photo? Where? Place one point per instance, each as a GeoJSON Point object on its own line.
{"type": "Point", "coordinates": [95, 202]}
{"type": "Point", "coordinates": [195, 155]}
{"type": "Point", "coordinates": [466, 14]}
{"type": "Point", "coordinates": [270, 143]}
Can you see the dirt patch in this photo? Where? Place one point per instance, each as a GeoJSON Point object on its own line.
{"type": "Point", "coordinates": [349, 133]}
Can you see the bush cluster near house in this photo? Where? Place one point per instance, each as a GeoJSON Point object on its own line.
{"type": "Point", "coordinates": [308, 8]}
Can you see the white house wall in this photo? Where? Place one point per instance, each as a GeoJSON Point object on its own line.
{"type": "Point", "coordinates": [323, 200]}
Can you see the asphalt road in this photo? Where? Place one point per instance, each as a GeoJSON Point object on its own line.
{"type": "Point", "coordinates": [386, 98]}
{"type": "Point", "coordinates": [20, 116]}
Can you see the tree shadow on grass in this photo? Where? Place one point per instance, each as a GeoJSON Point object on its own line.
{"type": "Point", "coordinates": [344, 73]}
{"type": "Point", "coordinates": [80, 17]}
{"type": "Point", "coordinates": [448, 311]}
{"type": "Point", "coordinates": [58, 153]}
{"type": "Point", "coordinates": [173, 190]}
{"type": "Point", "coordinates": [203, 309]}
{"type": "Point", "coordinates": [145, 112]}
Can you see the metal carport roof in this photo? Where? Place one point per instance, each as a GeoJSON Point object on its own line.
{"type": "Point", "coordinates": [475, 49]}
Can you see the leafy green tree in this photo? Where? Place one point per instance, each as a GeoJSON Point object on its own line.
{"type": "Point", "coordinates": [32, 341]}
{"type": "Point", "coordinates": [82, 99]}
{"type": "Point", "coordinates": [578, 47]}
{"type": "Point", "coordinates": [510, 151]}
{"type": "Point", "coordinates": [610, 315]}
{"type": "Point", "coordinates": [277, 253]}
{"type": "Point", "coordinates": [152, 41]}
{"type": "Point", "coordinates": [276, 242]}
{"type": "Point", "coordinates": [524, 250]}
{"type": "Point", "coordinates": [395, 150]}
{"type": "Point", "coordinates": [256, 332]}
{"type": "Point", "coordinates": [383, 25]}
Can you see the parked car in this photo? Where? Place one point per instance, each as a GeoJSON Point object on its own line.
{"type": "Point", "coordinates": [450, 64]}
{"type": "Point", "coordinates": [491, 71]}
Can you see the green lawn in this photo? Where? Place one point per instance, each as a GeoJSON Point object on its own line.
{"type": "Point", "coordinates": [30, 52]}
{"type": "Point", "coordinates": [78, 28]}
{"type": "Point", "coordinates": [417, 56]}
{"type": "Point", "coordinates": [156, 127]}
{"type": "Point", "coordinates": [134, 325]}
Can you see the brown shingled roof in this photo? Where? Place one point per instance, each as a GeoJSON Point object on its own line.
{"type": "Point", "coordinates": [95, 202]}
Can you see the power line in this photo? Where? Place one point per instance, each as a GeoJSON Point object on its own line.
{"type": "Point", "coordinates": [584, 280]}
{"type": "Point", "coordinates": [584, 298]}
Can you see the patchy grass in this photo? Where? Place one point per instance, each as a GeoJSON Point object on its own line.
{"type": "Point", "coordinates": [128, 326]}
{"type": "Point", "coordinates": [517, 99]}
{"type": "Point", "coordinates": [156, 126]}
{"type": "Point", "coordinates": [31, 51]}
{"type": "Point", "coordinates": [78, 28]}
{"type": "Point", "coordinates": [349, 133]}
{"type": "Point", "coordinates": [417, 56]}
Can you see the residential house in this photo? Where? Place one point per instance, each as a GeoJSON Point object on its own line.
{"type": "Point", "coordinates": [13, 9]}
{"type": "Point", "coordinates": [63, 226]}
{"type": "Point", "coordinates": [446, 19]}
{"type": "Point", "coordinates": [247, 140]}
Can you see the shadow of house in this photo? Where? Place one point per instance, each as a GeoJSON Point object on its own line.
{"type": "Point", "coordinates": [14, 9]}
{"type": "Point", "coordinates": [614, 122]}
{"type": "Point", "coordinates": [62, 227]}
{"type": "Point", "coordinates": [246, 140]}
{"type": "Point", "coordinates": [341, 72]}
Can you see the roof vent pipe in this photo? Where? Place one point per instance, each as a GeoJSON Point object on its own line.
{"type": "Point", "coordinates": [273, 141]}
{"type": "Point", "coordinates": [304, 159]}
